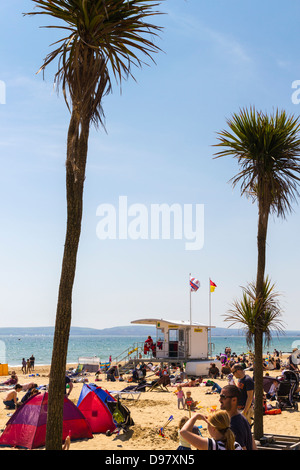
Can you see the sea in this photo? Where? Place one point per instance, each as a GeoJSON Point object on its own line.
{"type": "Point", "coordinates": [14, 348]}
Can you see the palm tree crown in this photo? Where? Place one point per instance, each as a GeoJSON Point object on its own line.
{"type": "Point", "coordinates": [253, 312]}
{"type": "Point", "coordinates": [102, 35]}
{"type": "Point", "coordinates": [267, 149]}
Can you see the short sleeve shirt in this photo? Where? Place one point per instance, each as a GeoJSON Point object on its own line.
{"type": "Point", "coordinates": [245, 385]}
{"type": "Point", "coordinates": [242, 431]}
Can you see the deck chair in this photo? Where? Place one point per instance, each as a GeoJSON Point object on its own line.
{"type": "Point", "coordinates": [77, 372]}
{"type": "Point", "coordinates": [130, 392]}
{"type": "Point", "coordinates": [160, 384]}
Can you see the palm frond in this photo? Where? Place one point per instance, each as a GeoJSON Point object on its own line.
{"type": "Point", "coordinates": [104, 37]}
{"type": "Point", "coordinates": [267, 149]}
{"type": "Point", "coordinates": [257, 313]}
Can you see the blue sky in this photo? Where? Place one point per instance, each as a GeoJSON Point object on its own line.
{"type": "Point", "coordinates": [217, 58]}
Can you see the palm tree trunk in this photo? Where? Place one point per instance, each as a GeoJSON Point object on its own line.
{"type": "Point", "coordinates": [258, 386]}
{"type": "Point", "coordinates": [263, 217]}
{"type": "Point", "coordinates": [75, 175]}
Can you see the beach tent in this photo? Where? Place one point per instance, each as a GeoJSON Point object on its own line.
{"type": "Point", "coordinates": [27, 426]}
{"type": "Point", "coordinates": [92, 404]}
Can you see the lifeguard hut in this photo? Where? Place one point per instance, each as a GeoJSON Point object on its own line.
{"type": "Point", "coordinates": [182, 342]}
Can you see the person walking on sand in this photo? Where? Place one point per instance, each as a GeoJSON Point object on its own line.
{"type": "Point", "coordinates": [28, 366]}
{"type": "Point", "coordinates": [218, 425]}
{"type": "Point", "coordinates": [24, 364]}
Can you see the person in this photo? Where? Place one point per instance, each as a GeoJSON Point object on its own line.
{"type": "Point", "coordinates": [32, 360]}
{"type": "Point", "coordinates": [180, 397]}
{"type": "Point", "coordinates": [11, 398]}
{"type": "Point", "coordinates": [148, 346]}
{"type": "Point", "coordinates": [149, 341]}
{"type": "Point", "coordinates": [216, 388]}
{"type": "Point", "coordinates": [218, 425]}
{"type": "Point", "coordinates": [246, 386]}
{"type": "Point", "coordinates": [238, 423]}
{"type": "Point", "coordinates": [13, 379]}
{"type": "Point", "coordinates": [292, 365]}
{"type": "Point", "coordinates": [28, 366]}
{"type": "Point", "coordinates": [213, 371]}
{"type": "Point", "coordinates": [183, 444]}
{"type": "Point", "coordinates": [30, 392]}
{"type": "Point", "coordinates": [189, 402]}
{"type": "Point", "coordinates": [271, 394]}
{"type": "Point", "coordinates": [112, 373]}
{"type": "Point", "coordinates": [70, 386]}
{"type": "Point", "coordinates": [182, 375]}
{"type": "Point", "coordinates": [24, 364]}
{"type": "Point", "coordinates": [28, 386]}
{"type": "Point", "coordinates": [230, 379]}
{"type": "Point", "coordinates": [192, 383]}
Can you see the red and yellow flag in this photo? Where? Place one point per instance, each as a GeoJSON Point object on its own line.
{"type": "Point", "coordinates": [212, 286]}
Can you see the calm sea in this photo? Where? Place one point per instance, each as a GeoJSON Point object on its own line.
{"type": "Point", "coordinates": [14, 348]}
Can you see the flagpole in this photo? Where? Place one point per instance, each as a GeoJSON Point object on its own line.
{"type": "Point", "coordinates": [210, 351]}
{"type": "Point", "coordinates": [190, 335]}
{"type": "Point", "coordinates": [190, 301]}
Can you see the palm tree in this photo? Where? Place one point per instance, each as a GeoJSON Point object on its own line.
{"type": "Point", "coordinates": [267, 149]}
{"type": "Point", "coordinates": [250, 310]}
{"type": "Point", "coordinates": [253, 312]}
{"type": "Point", "coordinates": [103, 38]}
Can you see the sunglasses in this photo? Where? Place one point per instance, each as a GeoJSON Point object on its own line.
{"type": "Point", "coordinates": [225, 396]}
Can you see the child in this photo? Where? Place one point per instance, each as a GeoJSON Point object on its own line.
{"type": "Point", "coordinates": [189, 402]}
{"type": "Point", "coordinates": [230, 379]}
{"type": "Point", "coordinates": [218, 424]}
{"type": "Point", "coordinates": [183, 444]}
{"type": "Point", "coordinates": [271, 395]}
{"type": "Point", "coordinates": [180, 397]}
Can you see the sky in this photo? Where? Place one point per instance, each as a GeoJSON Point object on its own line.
{"type": "Point", "coordinates": [157, 148]}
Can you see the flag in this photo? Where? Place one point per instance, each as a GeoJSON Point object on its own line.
{"type": "Point", "coordinates": [212, 286]}
{"type": "Point", "coordinates": [194, 284]}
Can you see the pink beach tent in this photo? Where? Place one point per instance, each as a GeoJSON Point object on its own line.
{"type": "Point", "coordinates": [27, 427]}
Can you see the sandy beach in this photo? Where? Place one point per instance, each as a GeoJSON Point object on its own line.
{"type": "Point", "coordinates": [150, 412]}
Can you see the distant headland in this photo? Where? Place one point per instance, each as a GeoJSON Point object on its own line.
{"type": "Point", "coordinates": [128, 330]}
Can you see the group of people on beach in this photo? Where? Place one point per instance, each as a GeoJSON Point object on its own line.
{"type": "Point", "coordinates": [28, 365]}
{"type": "Point", "coordinates": [230, 427]}
{"type": "Point", "coordinates": [13, 387]}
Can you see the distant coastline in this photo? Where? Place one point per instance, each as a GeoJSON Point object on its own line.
{"type": "Point", "coordinates": [129, 330]}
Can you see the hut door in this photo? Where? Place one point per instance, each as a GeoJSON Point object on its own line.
{"type": "Point", "coordinates": [173, 343]}
{"type": "Point", "coordinates": [181, 343]}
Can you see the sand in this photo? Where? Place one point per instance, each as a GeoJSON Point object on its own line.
{"type": "Point", "coordinates": [150, 412]}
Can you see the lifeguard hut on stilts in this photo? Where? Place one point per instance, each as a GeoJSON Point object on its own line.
{"type": "Point", "coordinates": [182, 342]}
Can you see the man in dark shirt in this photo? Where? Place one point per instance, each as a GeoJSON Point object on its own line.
{"type": "Point", "coordinates": [229, 397]}
{"type": "Point", "coordinates": [246, 387]}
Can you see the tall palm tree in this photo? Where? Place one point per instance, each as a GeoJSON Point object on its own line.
{"type": "Point", "coordinates": [102, 39]}
{"type": "Point", "coordinates": [267, 149]}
